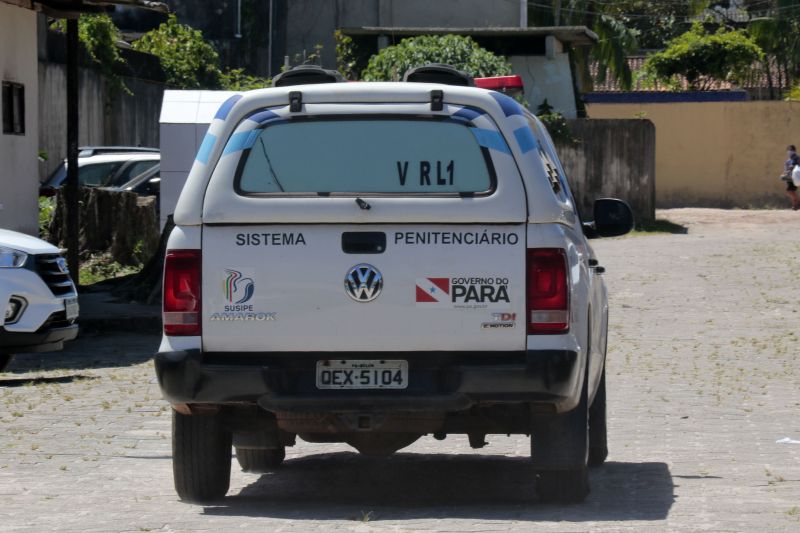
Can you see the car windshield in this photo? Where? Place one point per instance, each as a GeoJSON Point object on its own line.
{"type": "Point", "coordinates": [57, 177]}
{"type": "Point", "coordinates": [90, 175]}
{"type": "Point", "coordinates": [130, 172]}
{"type": "Point", "coordinates": [366, 156]}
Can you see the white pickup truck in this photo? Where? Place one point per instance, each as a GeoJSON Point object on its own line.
{"type": "Point", "coordinates": [373, 262]}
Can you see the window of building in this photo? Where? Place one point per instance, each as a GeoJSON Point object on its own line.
{"type": "Point", "coordinates": [13, 108]}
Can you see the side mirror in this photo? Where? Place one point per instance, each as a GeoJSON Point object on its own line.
{"type": "Point", "coordinates": [612, 218]}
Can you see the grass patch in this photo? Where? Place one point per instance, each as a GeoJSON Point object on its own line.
{"type": "Point", "coordinates": [100, 267]}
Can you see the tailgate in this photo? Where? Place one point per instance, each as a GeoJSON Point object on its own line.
{"type": "Point", "coordinates": [353, 288]}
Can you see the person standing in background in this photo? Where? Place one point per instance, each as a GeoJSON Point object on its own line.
{"type": "Point", "coordinates": [788, 167]}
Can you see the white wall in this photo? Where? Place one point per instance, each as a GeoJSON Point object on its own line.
{"type": "Point", "coordinates": [19, 172]}
{"type": "Point", "coordinates": [547, 78]}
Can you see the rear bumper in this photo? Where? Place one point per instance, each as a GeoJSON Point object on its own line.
{"type": "Point", "coordinates": [443, 382]}
{"type": "Point", "coordinates": [45, 340]}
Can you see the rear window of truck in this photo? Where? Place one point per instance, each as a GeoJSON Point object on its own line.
{"type": "Point", "coordinates": [381, 156]}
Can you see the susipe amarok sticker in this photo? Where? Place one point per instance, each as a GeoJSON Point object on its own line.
{"type": "Point", "coordinates": [238, 290]}
{"type": "Point", "coordinates": [463, 292]}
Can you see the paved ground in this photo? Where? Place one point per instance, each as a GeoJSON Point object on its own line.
{"type": "Point", "coordinates": [703, 380]}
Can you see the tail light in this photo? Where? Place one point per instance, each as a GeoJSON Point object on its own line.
{"type": "Point", "coordinates": [182, 292]}
{"type": "Point", "coordinates": [548, 291]}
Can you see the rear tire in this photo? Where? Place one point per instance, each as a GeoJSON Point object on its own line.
{"type": "Point", "coordinates": [5, 360]}
{"type": "Point", "coordinates": [598, 431]}
{"type": "Point", "coordinates": [560, 450]}
{"type": "Point", "coordinates": [201, 457]}
{"type": "Point", "coordinates": [260, 461]}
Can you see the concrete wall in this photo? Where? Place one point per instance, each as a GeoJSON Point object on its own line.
{"type": "Point", "coordinates": [717, 154]}
{"type": "Point", "coordinates": [612, 159]}
{"type": "Point", "coordinates": [19, 177]}
{"type": "Point", "coordinates": [104, 118]}
{"type": "Point", "coordinates": [549, 78]}
{"type": "Point", "coordinates": [312, 22]}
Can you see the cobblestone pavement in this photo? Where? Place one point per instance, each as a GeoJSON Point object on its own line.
{"type": "Point", "coordinates": [703, 380]}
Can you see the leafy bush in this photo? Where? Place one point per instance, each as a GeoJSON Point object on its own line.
{"type": "Point", "coordinates": [793, 95]}
{"type": "Point", "coordinates": [704, 58]}
{"type": "Point", "coordinates": [238, 80]}
{"type": "Point", "coordinates": [351, 57]}
{"type": "Point", "coordinates": [189, 62]}
{"type": "Point", "coordinates": [99, 36]}
{"type": "Point", "coordinates": [47, 207]}
{"type": "Point", "coordinates": [461, 52]}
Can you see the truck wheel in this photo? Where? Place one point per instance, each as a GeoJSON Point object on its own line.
{"type": "Point", "coordinates": [560, 450]}
{"type": "Point", "coordinates": [260, 461]}
{"type": "Point", "coordinates": [598, 434]}
{"type": "Point", "coordinates": [201, 457]}
{"type": "Point", "coordinates": [5, 360]}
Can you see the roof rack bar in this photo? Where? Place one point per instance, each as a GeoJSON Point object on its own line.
{"type": "Point", "coordinates": [295, 101]}
{"type": "Point", "coordinates": [437, 100]}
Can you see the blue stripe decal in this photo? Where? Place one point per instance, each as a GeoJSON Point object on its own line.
{"type": "Point", "coordinates": [262, 116]}
{"type": "Point", "coordinates": [508, 105]}
{"type": "Point", "coordinates": [468, 113]}
{"type": "Point", "coordinates": [205, 148]}
{"type": "Point", "coordinates": [241, 141]}
{"type": "Point", "coordinates": [491, 139]}
{"type": "Point", "coordinates": [525, 139]}
{"type": "Point", "coordinates": [227, 105]}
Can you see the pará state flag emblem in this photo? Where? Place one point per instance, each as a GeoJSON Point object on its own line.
{"type": "Point", "coordinates": [433, 291]}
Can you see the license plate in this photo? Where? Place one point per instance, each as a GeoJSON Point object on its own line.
{"type": "Point", "coordinates": [71, 308]}
{"type": "Point", "coordinates": [362, 374]}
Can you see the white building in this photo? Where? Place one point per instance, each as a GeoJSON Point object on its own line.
{"type": "Point", "coordinates": [19, 170]}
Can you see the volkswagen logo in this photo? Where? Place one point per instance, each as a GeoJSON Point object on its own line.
{"type": "Point", "coordinates": [363, 283]}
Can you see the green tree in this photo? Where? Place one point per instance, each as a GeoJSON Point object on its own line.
{"type": "Point", "coordinates": [704, 58]}
{"type": "Point", "coordinates": [99, 36]}
{"type": "Point", "coordinates": [351, 57]}
{"type": "Point", "coordinates": [654, 23]}
{"type": "Point", "coordinates": [622, 27]}
{"type": "Point", "coordinates": [189, 62]}
{"type": "Point", "coordinates": [461, 52]}
{"type": "Point", "coordinates": [615, 40]}
{"type": "Point", "coordinates": [777, 31]}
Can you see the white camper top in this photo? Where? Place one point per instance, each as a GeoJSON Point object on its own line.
{"type": "Point", "coordinates": [185, 116]}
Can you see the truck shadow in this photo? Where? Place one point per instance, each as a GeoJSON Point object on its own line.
{"type": "Point", "coordinates": [345, 485]}
{"type": "Point", "coordinates": [89, 350]}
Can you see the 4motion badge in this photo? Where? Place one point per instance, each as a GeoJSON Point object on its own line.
{"type": "Point", "coordinates": [363, 283]}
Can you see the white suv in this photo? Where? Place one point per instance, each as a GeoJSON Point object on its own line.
{"type": "Point", "coordinates": [372, 262]}
{"type": "Point", "coordinates": [37, 297]}
{"type": "Point", "coordinates": [104, 166]}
